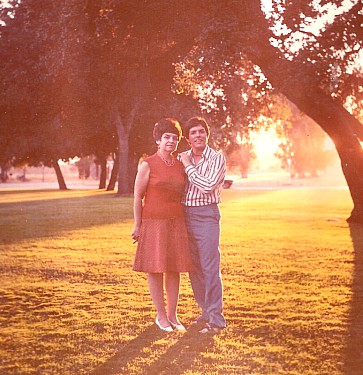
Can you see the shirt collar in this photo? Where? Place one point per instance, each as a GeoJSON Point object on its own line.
{"type": "Point", "coordinates": [205, 154]}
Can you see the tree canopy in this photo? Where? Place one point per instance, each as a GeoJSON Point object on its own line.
{"type": "Point", "coordinates": [81, 77]}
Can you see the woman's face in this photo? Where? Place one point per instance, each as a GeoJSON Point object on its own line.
{"type": "Point", "coordinates": [168, 142]}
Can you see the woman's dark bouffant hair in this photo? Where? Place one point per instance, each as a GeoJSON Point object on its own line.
{"type": "Point", "coordinates": [195, 121]}
{"type": "Point", "coordinates": [167, 125]}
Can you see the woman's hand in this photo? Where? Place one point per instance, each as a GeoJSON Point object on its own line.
{"type": "Point", "coordinates": [135, 234]}
{"type": "Point", "coordinates": [185, 159]}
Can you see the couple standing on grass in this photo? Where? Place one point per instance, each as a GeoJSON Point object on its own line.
{"type": "Point", "coordinates": [177, 223]}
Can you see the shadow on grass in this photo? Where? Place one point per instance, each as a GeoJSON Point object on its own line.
{"type": "Point", "coordinates": [39, 218]}
{"type": "Point", "coordinates": [354, 349]}
{"type": "Point", "coordinates": [177, 359]}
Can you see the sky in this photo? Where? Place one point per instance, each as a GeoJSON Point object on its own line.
{"type": "Point", "coordinates": [328, 13]}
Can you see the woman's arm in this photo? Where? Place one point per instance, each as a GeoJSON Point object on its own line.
{"type": "Point", "coordinates": [141, 182]}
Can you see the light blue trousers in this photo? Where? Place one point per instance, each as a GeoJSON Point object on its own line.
{"type": "Point", "coordinates": [203, 224]}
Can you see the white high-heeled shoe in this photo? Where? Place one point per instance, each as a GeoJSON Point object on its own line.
{"type": "Point", "coordinates": [178, 327]}
{"type": "Point", "coordinates": [166, 329]}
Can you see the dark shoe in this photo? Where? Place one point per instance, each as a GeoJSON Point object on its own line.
{"type": "Point", "coordinates": [178, 327]}
{"type": "Point", "coordinates": [199, 320]}
{"type": "Point", "coordinates": [209, 329]}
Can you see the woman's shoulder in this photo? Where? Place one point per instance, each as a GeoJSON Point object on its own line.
{"type": "Point", "coordinates": [179, 164]}
{"type": "Point", "coordinates": [150, 158]}
{"type": "Point", "coordinates": [153, 161]}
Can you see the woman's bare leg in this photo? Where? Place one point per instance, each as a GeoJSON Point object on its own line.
{"type": "Point", "coordinates": [155, 281]}
{"type": "Point", "coordinates": [172, 282]}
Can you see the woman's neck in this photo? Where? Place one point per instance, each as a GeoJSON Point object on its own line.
{"type": "Point", "coordinates": [165, 154]}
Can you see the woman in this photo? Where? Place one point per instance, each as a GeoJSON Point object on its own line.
{"type": "Point", "coordinates": [159, 228]}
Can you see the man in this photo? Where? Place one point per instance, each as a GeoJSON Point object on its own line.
{"type": "Point", "coordinates": [205, 169]}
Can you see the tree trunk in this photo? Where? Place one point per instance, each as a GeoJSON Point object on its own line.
{"type": "Point", "coordinates": [299, 84]}
{"type": "Point", "coordinates": [60, 178]}
{"type": "Point", "coordinates": [338, 123]}
{"type": "Point", "coordinates": [123, 132]}
{"type": "Point", "coordinates": [133, 166]}
{"type": "Point", "coordinates": [352, 166]}
{"type": "Point", "coordinates": [245, 161]}
{"type": "Point", "coordinates": [103, 176]}
{"type": "Point", "coordinates": [123, 156]}
{"type": "Point", "coordinates": [3, 172]}
{"type": "Point", "coordinates": [114, 174]}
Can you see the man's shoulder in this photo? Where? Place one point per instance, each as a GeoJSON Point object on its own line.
{"type": "Point", "coordinates": [212, 153]}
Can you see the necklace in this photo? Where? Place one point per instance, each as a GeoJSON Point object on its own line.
{"type": "Point", "coordinates": [169, 163]}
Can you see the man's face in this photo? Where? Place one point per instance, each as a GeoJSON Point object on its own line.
{"type": "Point", "coordinates": [198, 138]}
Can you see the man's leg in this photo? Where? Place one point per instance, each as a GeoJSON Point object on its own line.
{"type": "Point", "coordinates": [196, 276]}
{"type": "Point", "coordinates": [204, 227]}
{"type": "Point", "coordinates": [210, 258]}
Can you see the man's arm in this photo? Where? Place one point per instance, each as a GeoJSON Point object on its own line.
{"type": "Point", "coordinates": [214, 177]}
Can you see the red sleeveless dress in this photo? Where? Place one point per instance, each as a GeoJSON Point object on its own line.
{"type": "Point", "coordinates": [163, 241]}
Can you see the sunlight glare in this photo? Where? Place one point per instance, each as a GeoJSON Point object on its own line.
{"type": "Point", "coordinates": [265, 144]}
{"type": "Point", "coordinates": [329, 144]}
{"type": "Point", "coordinates": [70, 161]}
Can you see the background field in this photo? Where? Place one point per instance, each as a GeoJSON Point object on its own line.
{"type": "Point", "coordinates": [70, 304]}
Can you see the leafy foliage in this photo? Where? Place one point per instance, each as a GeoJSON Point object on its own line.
{"type": "Point", "coordinates": [94, 76]}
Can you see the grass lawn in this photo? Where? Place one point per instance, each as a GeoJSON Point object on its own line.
{"type": "Point", "coordinates": [70, 303]}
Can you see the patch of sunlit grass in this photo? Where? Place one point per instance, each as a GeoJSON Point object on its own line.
{"type": "Point", "coordinates": [70, 304]}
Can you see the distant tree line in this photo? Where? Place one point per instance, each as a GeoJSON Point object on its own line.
{"type": "Point", "coordinates": [91, 77]}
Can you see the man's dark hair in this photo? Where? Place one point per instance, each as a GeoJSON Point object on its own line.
{"type": "Point", "coordinates": [195, 121]}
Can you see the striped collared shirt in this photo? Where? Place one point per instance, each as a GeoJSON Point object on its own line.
{"type": "Point", "coordinates": [205, 179]}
